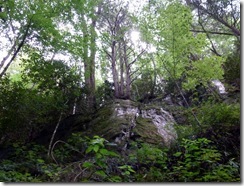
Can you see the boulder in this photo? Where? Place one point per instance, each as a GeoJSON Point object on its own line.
{"type": "Point", "coordinates": [125, 120]}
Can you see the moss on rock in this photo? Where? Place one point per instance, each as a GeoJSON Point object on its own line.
{"type": "Point", "coordinates": [147, 131]}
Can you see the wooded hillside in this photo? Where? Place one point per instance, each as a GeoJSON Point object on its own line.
{"type": "Point", "coordinates": [120, 91]}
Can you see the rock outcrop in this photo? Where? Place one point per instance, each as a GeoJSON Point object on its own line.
{"type": "Point", "coordinates": [125, 120]}
{"type": "Point", "coordinates": [120, 122]}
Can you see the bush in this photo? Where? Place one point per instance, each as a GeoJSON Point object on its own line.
{"type": "Point", "coordinates": [199, 161]}
{"type": "Point", "coordinates": [221, 124]}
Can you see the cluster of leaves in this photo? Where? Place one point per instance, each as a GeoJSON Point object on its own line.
{"type": "Point", "coordinates": [194, 161]}
{"type": "Point", "coordinates": [27, 164]}
{"type": "Point", "coordinates": [97, 161]}
{"type": "Point", "coordinates": [221, 124]}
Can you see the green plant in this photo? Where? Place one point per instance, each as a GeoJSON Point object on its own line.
{"type": "Point", "coordinates": [96, 146]}
{"type": "Point", "coordinates": [27, 164]}
{"type": "Point", "coordinates": [221, 124]}
{"type": "Point", "coordinates": [150, 162]}
{"type": "Point", "coordinates": [199, 161]}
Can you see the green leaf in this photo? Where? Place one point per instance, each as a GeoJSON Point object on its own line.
{"type": "Point", "coordinates": [101, 173]}
{"type": "Point", "coordinates": [40, 161]}
{"type": "Point", "coordinates": [123, 167]}
{"type": "Point", "coordinates": [87, 164]}
{"type": "Point", "coordinates": [96, 148]}
{"type": "Point", "coordinates": [104, 152]}
{"type": "Point", "coordinates": [89, 149]}
{"type": "Point", "coordinates": [177, 154]}
{"type": "Point", "coordinates": [111, 153]}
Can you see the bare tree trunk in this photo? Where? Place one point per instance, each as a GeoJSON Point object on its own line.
{"type": "Point", "coordinates": [54, 133]}
{"type": "Point", "coordinates": [121, 89]}
{"type": "Point", "coordinates": [114, 70]}
{"type": "Point", "coordinates": [127, 75]}
{"type": "Point", "coordinates": [128, 84]}
{"type": "Point", "coordinates": [89, 60]}
{"type": "Point", "coordinates": [154, 78]}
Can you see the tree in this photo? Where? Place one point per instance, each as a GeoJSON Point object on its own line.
{"type": "Point", "coordinates": [180, 54]}
{"type": "Point", "coordinates": [26, 23]}
{"type": "Point", "coordinates": [81, 39]}
{"type": "Point", "coordinates": [119, 49]}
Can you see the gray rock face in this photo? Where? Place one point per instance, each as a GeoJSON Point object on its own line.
{"type": "Point", "coordinates": [126, 120]}
{"type": "Point", "coordinates": [160, 118]}
{"type": "Point", "coordinates": [164, 123]}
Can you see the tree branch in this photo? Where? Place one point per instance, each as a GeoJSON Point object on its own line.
{"type": "Point", "coordinates": [213, 32]}
{"type": "Point", "coordinates": [131, 63]}
{"type": "Point", "coordinates": [235, 31]}
{"type": "Point", "coordinates": [17, 51]}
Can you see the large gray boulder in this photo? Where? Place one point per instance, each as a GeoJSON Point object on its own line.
{"type": "Point", "coordinates": [125, 120]}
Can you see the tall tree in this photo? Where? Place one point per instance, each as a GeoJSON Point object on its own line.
{"type": "Point", "coordinates": [180, 54]}
{"type": "Point", "coordinates": [82, 17]}
{"type": "Point", "coordinates": [119, 48]}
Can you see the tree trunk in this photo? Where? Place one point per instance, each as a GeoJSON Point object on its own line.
{"type": "Point", "coordinates": [114, 71]}
{"type": "Point", "coordinates": [89, 61]}
{"type": "Point", "coordinates": [127, 75]}
{"type": "Point", "coordinates": [121, 89]}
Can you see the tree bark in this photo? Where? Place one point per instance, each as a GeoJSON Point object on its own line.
{"type": "Point", "coordinates": [114, 70]}
{"type": "Point", "coordinates": [121, 88]}
{"type": "Point", "coordinates": [127, 75]}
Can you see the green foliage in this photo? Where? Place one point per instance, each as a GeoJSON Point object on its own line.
{"type": "Point", "coordinates": [202, 71]}
{"type": "Point", "coordinates": [194, 161]}
{"type": "Point", "coordinates": [221, 124]}
{"type": "Point", "coordinates": [27, 164]}
{"type": "Point", "coordinates": [51, 77]}
{"type": "Point", "coordinates": [153, 155]}
{"type": "Point", "coordinates": [99, 165]}
{"type": "Point", "coordinates": [232, 69]}
{"type": "Point", "coordinates": [104, 93]}
{"type": "Point", "coordinates": [199, 161]}
{"type": "Point", "coordinates": [35, 100]}
{"type": "Point", "coordinates": [181, 56]}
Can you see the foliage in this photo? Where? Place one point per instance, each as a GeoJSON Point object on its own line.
{"type": "Point", "coordinates": [104, 93]}
{"type": "Point", "coordinates": [198, 161]}
{"type": "Point", "coordinates": [27, 164]}
{"type": "Point", "coordinates": [232, 69]}
{"type": "Point", "coordinates": [45, 90]}
{"type": "Point", "coordinates": [221, 124]}
{"type": "Point", "coordinates": [52, 78]}
{"type": "Point", "coordinates": [95, 159]}
{"type": "Point", "coordinates": [195, 160]}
